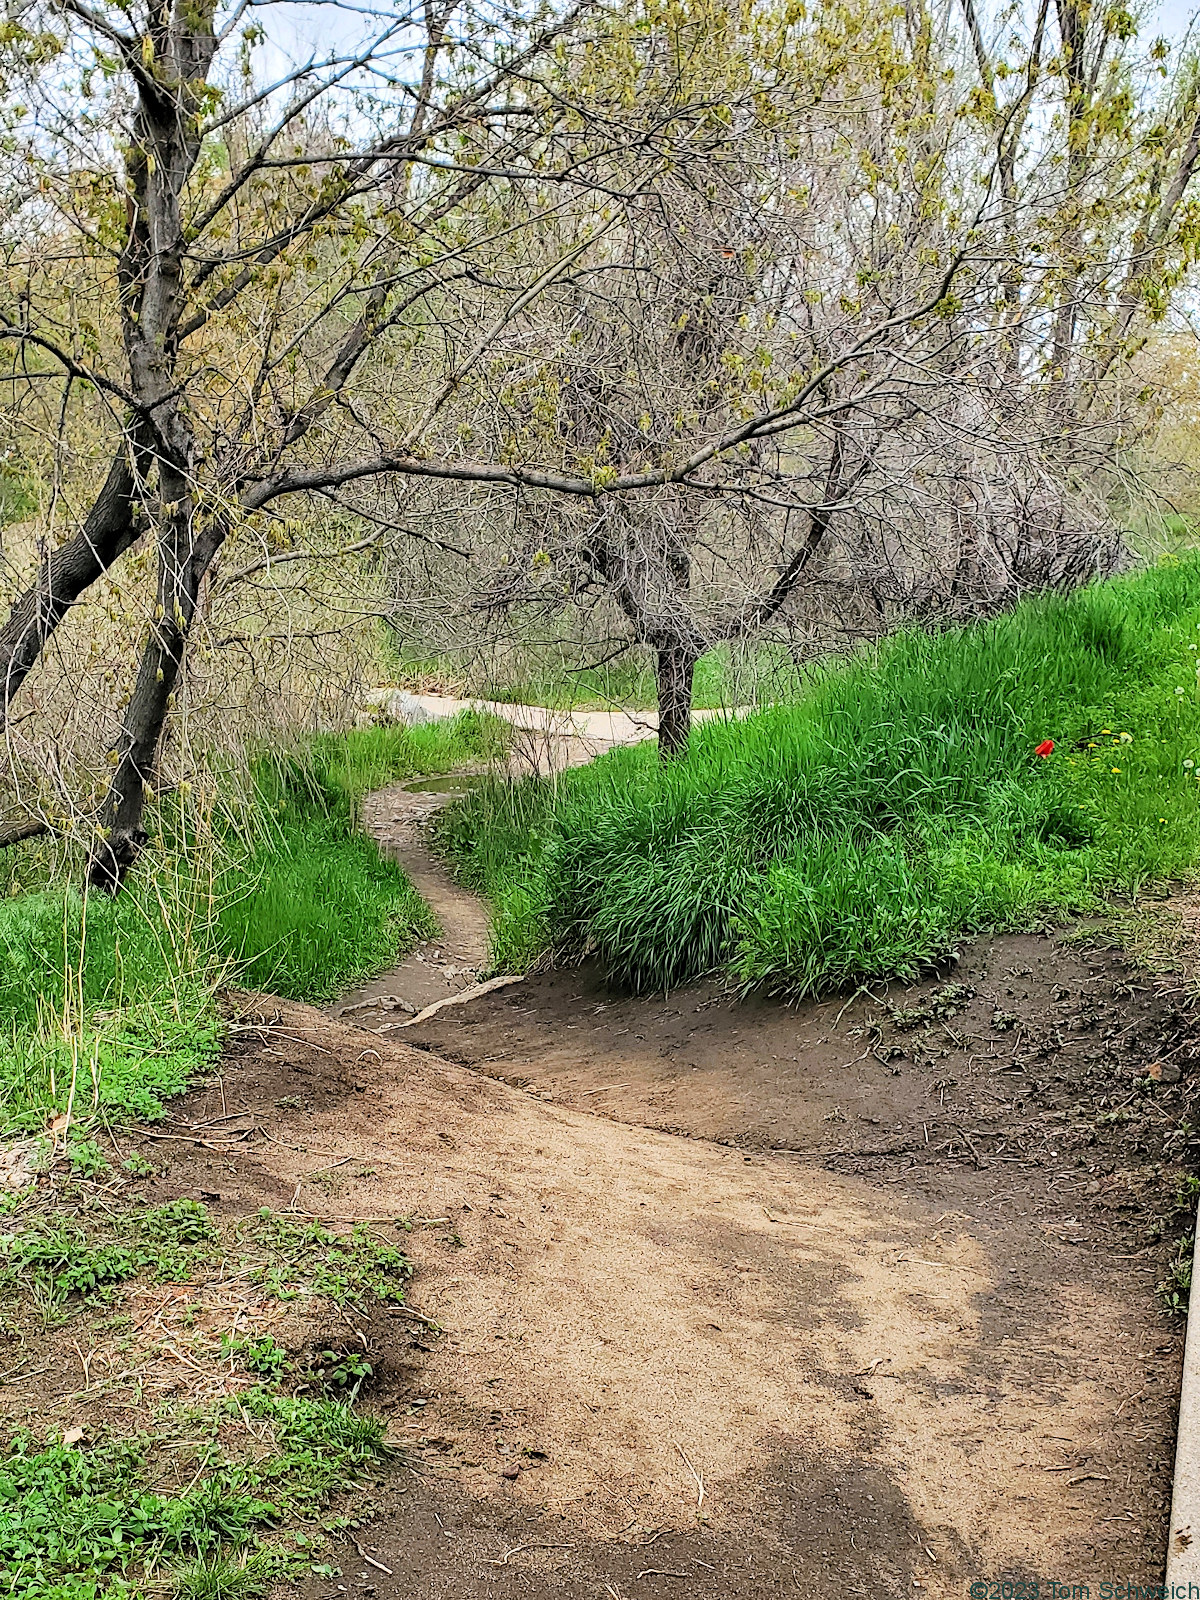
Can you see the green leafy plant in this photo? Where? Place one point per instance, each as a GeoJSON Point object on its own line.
{"type": "Point", "coordinates": [86, 1159]}
{"type": "Point", "coordinates": [1175, 1289]}
{"type": "Point", "coordinates": [56, 1258]}
{"type": "Point", "coordinates": [79, 1521]}
{"type": "Point", "coordinates": [341, 1371]}
{"type": "Point", "coordinates": [303, 1257]}
{"type": "Point", "coordinates": [264, 1356]}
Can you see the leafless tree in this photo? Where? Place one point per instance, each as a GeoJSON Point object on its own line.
{"type": "Point", "coordinates": [724, 310]}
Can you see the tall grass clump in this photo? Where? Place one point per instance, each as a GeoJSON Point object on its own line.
{"type": "Point", "coordinates": [258, 876]}
{"type": "Point", "coordinates": [894, 804]}
{"type": "Point", "coordinates": [309, 905]}
{"type": "Point", "coordinates": [106, 1007]}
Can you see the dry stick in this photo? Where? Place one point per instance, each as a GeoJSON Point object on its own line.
{"type": "Point", "coordinates": [267, 1027]}
{"type": "Point", "coordinates": [362, 1222]}
{"type": "Point", "coordinates": [407, 1311]}
{"type": "Point", "coordinates": [205, 1144]}
{"type": "Point", "coordinates": [315, 1173]}
{"type": "Point", "coordinates": [378, 1565]}
{"type": "Point", "coordinates": [502, 1561]}
{"type": "Point", "coordinates": [460, 999]}
{"type": "Point", "coordinates": [695, 1474]}
{"type": "Point", "coordinates": [85, 1364]}
{"type": "Point", "coordinates": [227, 1117]}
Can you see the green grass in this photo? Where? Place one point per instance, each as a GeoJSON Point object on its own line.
{"type": "Point", "coordinates": [896, 803]}
{"type": "Point", "coordinates": [106, 1010]}
{"type": "Point", "coordinates": [316, 909]}
{"type": "Point", "coordinates": [192, 1504]}
{"type": "Point", "coordinates": [106, 1007]}
{"type": "Point", "coordinates": [80, 1522]}
{"type": "Point", "coordinates": [52, 1258]}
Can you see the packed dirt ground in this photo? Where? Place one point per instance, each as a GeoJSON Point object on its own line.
{"type": "Point", "coordinates": [721, 1298]}
{"type": "Point", "coordinates": [917, 1247]}
{"type": "Point", "coordinates": [857, 1292]}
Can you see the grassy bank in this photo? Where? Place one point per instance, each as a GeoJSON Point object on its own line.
{"type": "Point", "coordinates": [106, 1007]}
{"type": "Point", "coordinates": [895, 803]}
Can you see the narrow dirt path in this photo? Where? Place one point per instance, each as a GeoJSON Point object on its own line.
{"type": "Point", "coordinates": [544, 741]}
{"type": "Point", "coordinates": [396, 818]}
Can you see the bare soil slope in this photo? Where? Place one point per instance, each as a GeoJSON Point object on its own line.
{"type": "Point", "coordinates": [857, 1290]}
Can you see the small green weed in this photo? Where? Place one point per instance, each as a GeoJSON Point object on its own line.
{"type": "Point", "coordinates": [1175, 1289]}
{"type": "Point", "coordinates": [948, 1001]}
{"type": "Point", "coordinates": [86, 1160]}
{"type": "Point", "coordinates": [302, 1257]}
{"type": "Point", "coordinates": [340, 1371]}
{"type": "Point", "coordinates": [222, 1577]}
{"type": "Point", "coordinates": [55, 1259]}
{"type": "Point", "coordinates": [264, 1356]}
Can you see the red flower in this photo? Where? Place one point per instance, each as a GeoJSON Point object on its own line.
{"type": "Point", "coordinates": [1044, 748]}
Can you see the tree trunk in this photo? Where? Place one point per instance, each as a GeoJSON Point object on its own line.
{"type": "Point", "coordinates": [184, 559]}
{"type": "Point", "coordinates": [111, 527]}
{"type": "Point", "coordinates": [676, 666]}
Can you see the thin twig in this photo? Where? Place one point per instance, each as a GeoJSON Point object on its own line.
{"type": "Point", "coordinates": [694, 1473]}
{"type": "Point", "coordinates": [502, 1561]}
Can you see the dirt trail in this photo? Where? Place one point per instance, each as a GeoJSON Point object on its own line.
{"type": "Point", "coordinates": [672, 1367]}
{"type": "Point", "coordinates": [396, 819]}
{"type": "Point", "coordinates": [745, 1299]}
{"type": "Point", "coordinates": [545, 730]}
{"type": "Point", "coordinates": [544, 741]}
{"type": "Point", "coordinates": [857, 1290]}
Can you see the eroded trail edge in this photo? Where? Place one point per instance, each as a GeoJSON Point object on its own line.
{"type": "Point", "coordinates": [669, 1356]}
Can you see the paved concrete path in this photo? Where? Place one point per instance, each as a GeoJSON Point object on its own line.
{"type": "Point", "coordinates": [550, 739]}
